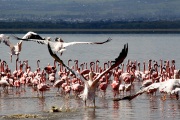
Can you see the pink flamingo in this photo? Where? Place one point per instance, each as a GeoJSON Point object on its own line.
{"type": "Point", "coordinates": [42, 87]}
{"type": "Point", "coordinates": [4, 83]}
{"type": "Point", "coordinates": [103, 85]}
{"type": "Point", "coordinates": [115, 85]}
{"type": "Point", "coordinates": [66, 86]}
{"type": "Point", "coordinates": [77, 86]}
{"type": "Point", "coordinates": [58, 83]}
{"type": "Point", "coordinates": [49, 69]}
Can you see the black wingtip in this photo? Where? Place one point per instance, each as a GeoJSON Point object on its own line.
{"type": "Point", "coordinates": [15, 37]}
{"type": "Point", "coordinates": [124, 98]}
{"type": "Point", "coordinates": [123, 53]}
{"type": "Point", "coordinates": [109, 39]}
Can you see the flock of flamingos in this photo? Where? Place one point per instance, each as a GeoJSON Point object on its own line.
{"type": "Point", "coordinates": [90, 78]}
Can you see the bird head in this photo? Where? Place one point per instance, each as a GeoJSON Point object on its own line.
{"type": "Point", "coordinates": [91, 75]}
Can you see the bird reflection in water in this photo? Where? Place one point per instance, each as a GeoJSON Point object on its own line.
{"type": "Point", "coordinates": [90, 114]}
{"type": "Point", "coordinates": [41, 103]}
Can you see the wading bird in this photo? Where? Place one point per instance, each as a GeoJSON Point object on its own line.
{"type": "Point", "coordinates": [92, 83]}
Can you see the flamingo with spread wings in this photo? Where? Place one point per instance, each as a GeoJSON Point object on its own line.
{"type": "Point", "coordinates": [58, 45]}
{"type": "Point", "coordinates": [92, 83]}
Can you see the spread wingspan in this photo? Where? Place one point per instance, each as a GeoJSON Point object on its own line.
{"type": "Point", "coordinates": [117, 61]}
{"type": "Point", "coordinates": [66, 44]}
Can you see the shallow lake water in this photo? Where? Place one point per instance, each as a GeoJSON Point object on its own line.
{"type": "Point", "coordinates": [142, 47]}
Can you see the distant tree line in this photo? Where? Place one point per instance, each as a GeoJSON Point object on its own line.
{"type": "Point", "coordinates": [92, 25]}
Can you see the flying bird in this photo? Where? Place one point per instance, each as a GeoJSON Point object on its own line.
{"type": "Point", "coordinates": [15, 49]}
{"type": "Point", "coordinates": [3, 37]}
{"type": "Point", "coordinates": [171, 86]}
{"type": "Point", "coordinates": [31, 35]}
{"type": "Point", "coordinates": [92, 83]}
{"type": "Point", "coordinates": [58, 45]}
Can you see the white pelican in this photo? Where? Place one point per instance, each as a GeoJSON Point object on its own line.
{"type": "Point", "coordinates": [3, 37]}
{"type": "Point", "coordinates": [171, 86]}
{"type": "Point", "coordinates": [92, 83]}
{"type": "Point", "coordinates": [31, 35]}
{"type": "Point", "coordinates": [58, 45]}
{"type": "Point", "coordinates": [15, 49]}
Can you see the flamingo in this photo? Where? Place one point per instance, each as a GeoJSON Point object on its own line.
{"type": "Point", "coordinates": [115, 85]}
{"type": "Point", "coordinates": [59, 45]}
{"type": "Point", "coordinates": [103, 85]}
{"type": "Point", "coordinates": [92, 83]}
{"type": "Point", "coordinates": [50, 69]}
{"type": "Point", "coordinates": [77, 88]}
{"type": "Point", "coordinates": [42, 87]}
{"type": "Point", "coordinates": [58, 83]}
{"type": "Point", "coordinates": [4, 83]}
{"type": "Point", "coordinates": [66, 86]}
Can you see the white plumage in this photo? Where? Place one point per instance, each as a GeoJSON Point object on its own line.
{"type": "Point", "coordinates": [58, 45]}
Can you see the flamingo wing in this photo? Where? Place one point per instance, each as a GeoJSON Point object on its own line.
{"type": "Point", "coordinates": [74, 43]}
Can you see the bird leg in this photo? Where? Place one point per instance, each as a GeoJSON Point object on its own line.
{"type": "Point", "coordinates": [17, 56]}
{"type": "Point", "coordinates": [177, 96]}
{"type": "Point", "coordinates": [11, 58]}
{"type": "Point", "coordinates": [85, 103]}
{"type": "Point", "coordinates": [94, 102]}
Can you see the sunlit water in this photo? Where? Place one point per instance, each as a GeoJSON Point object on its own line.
{"type": "Point", "coordinates": [142, 47]}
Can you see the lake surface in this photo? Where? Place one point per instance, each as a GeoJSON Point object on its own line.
{"type": "Point", "coordinates": [142, 47]}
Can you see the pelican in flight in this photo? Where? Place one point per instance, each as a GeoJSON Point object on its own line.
{"type": "Point", "coordinates": [15, 49]}
{"type": "Point", "coordinates": [3, 37]}
{"type": "Point", "coordinates": [92, 83]}
{"type": "Point", "coordinates": [58, 45]}
{"type": "Point", "coordinates": [171, 86]}
{"type": "Point", "coordinates": [31, 35]}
